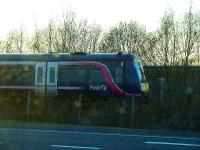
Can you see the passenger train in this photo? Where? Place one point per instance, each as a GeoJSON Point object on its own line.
{"type": "Point", "coordinates": [60, 73]}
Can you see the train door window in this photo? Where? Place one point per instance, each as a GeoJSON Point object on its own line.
{"type": "Point", "coordinates": [39, 75]}
{"type": "Point", "coordinates": [52, 75]}
{"type": "Point", "coordinates": [96, 76]}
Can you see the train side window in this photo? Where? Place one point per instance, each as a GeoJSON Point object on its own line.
{"type": "Point", "coordinates": [96, 76]}
{"type": "Point", "coordinates": [72, 75]}
{"type": "Point", "coordinates": [108, 65]}
{"type": "Point", "coordinates": [16, 74]}
{"type": "Point", "coordinates": [129, 76]}
{"type": "Point", "coordinates": [40, 74]}
{"type": "Point", "coordinates": [52, 75]}
{"type": "Point", "coordinates": [10, 74]}
{"type": "Point", "coordinates": [28, 74]}
{"type": "Point", "coordinates": [118, 73]}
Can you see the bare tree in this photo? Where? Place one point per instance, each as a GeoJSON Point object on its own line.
{"type": "Point", "coordinates": [15, 42]}
{"type": "Point", "coordinates": [66, 33]}
{"type": "Point", "coordinates": [87, 37]}
{"type": "Point", "coordinates": [126, 37]}
{"type": "Point", "coordinates": [36, 42]}
{"type": "Point", "coordinates": [189, 35]}
{"type": "Point", "coordinates": [94, 38]}
{"type": "Point", "coordinates": [49, 36]}
{"type": "Point", "coordinates": [21, 41]}
{"type": "Point", "coordinates": [8, 43]}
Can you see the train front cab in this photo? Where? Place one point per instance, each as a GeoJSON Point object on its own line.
{"type": "Point", "coordinates": [141, 79]}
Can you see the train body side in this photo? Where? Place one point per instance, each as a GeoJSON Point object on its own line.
{"type": "Point", "coordinates": [53, 74]}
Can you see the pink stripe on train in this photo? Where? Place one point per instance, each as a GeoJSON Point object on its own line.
{"type": "Point", "coordinates": [106, 73]}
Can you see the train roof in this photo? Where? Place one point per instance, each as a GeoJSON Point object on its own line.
{"type": "Point", "coordinates": [66, 57]}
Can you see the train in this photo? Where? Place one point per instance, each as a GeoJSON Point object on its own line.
{"type": "Point", "coordinates": [120, 74]}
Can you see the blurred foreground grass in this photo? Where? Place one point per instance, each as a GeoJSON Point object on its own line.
{"type": "Point", "coordinates": [103, 111]}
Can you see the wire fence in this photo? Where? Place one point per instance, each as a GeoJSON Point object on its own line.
{"type": "Point", "coordinates": [174, 83]}
{"type": "Point", "coordinates": [173, 104]}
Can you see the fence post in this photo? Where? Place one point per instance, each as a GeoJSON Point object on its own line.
{"type": "Point", "coordinates": [132, 110]}
{"type": "Point", "coordinates": [162, 80]}
{"type": "Point", "coordinates": [79, 107]}
{"type": "Point", "coordinates": [28, 106]}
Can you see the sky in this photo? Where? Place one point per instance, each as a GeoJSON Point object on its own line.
{"type": "Point", "coordinates": [107, 13]}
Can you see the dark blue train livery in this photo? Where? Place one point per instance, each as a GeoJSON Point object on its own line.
{"type": "Point", "coordinates": [51, 74]}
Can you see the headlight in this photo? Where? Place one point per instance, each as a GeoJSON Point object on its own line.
{"type": "Point", "coordinates": [145, 87]}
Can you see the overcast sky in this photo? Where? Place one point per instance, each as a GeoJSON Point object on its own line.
{"type": "Point", "coordinates": [107, 13]}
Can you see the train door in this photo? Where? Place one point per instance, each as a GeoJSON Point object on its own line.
{"type": "Point", "coordinates": [40, 78]}
{"type": "Point", "coordinates": [118, 73]}
{"type": "Point", "coordinates": [52, 78]}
